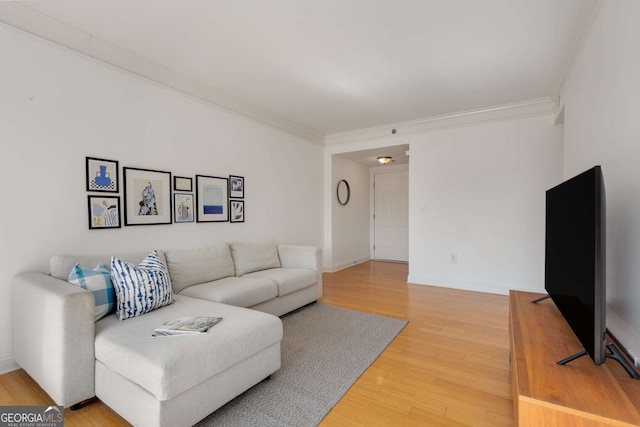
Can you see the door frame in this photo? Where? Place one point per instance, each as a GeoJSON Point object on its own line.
{"type": "Point", "coordinates": [372, 172]}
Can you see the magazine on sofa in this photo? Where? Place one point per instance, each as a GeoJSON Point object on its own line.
{"type": "Point", "coordinates": [186, 325]}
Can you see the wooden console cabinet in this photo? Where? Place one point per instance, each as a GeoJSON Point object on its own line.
{"type": "Point", "coordinates": [578, 394]}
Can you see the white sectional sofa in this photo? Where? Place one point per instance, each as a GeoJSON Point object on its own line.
{"type": "Point", "coordinates": [173, 381]}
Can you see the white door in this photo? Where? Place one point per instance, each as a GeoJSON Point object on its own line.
{"type": "Point", "coordinates": [391, 216]}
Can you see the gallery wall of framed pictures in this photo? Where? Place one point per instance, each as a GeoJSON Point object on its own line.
{"type": "Point", "coordinates": [155, 197]}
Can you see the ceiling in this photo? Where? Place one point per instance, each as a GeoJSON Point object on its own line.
{"type": "Point", "coordinates": [331, 66]}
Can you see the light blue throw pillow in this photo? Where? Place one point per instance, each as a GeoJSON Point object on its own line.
{"type": "Point", "coordinates": [98, 282]}
{"type": "Point", "coordinates": [140, 288]}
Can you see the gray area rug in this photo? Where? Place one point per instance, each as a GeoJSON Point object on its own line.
{"type": "Point", "coordinates": [324, 351]}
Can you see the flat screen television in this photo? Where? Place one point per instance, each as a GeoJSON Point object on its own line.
{"type": "Point", "coordinates": [575, 257]}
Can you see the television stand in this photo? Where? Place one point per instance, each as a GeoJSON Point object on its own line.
{"type": "Point", "coordinates": [580, 394]}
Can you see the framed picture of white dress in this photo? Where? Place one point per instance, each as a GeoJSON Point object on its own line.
{"type": "Point", "coordinates": [212, 199]}
{"type": "Point", "coordinates": [147, 197]}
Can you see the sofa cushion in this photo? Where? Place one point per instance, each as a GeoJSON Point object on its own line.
{"type": "Point", "coordinates": [61, 265]}
{"type": "Point", "coordinates": [249, 257]}
{"type": "Point", "coordinates": [98, 282]}
{"type": "Point", "coordinates": [168, 366]}
{"type": "Point", "coordinates": [238, 291]}
{"type": "Point", "coordinates": [195, 266]}
{"type": "Point", "coordinates": [140, 288]}
{"type": "Point", "coordinates": [288, 280]}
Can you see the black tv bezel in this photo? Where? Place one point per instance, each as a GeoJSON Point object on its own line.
{"type": "Point", "coordinates": [598, 329]}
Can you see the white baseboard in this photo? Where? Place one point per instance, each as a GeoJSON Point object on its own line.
{"type": "Point", "coordinates": [341, 266]}
{"type": "Point", "coordinates": [459, 284]}
{"type": "Point", "coordinates": [8, 364]}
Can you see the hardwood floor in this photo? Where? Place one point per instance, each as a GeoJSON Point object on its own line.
{"type": "Point", "coordinates": [448, 367]}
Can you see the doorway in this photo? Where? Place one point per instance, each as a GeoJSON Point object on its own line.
{"type": "Point", "coordinates": [391, 215]}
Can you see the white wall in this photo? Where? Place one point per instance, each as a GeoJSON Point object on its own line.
{"type": "Point", "coordinates": [351, 222]}
{"type": "Point", "coordinates": [602, 126]}
{"type": "Point", "coordinates": [57, 107]}
{"type": "Point", "coordinates": [478, 192]}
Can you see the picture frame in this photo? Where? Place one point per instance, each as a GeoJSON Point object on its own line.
{"type": "Point", "coordinates": [182, 183]}
{"type": "Point", "coordinates": [104, 212]}
{"type": "Point", "coordinates": [212, 199]}
{"type": "Point", "coordinates": [183, 207]}
{"type": "Point", "coordinates": [236, 187]}
{"type": "Point", "coordinates": [102, 175]}
{"type": "Point", "coordinates": [147, 197]}
{"type": "Point", "coordinates": [236, 210]}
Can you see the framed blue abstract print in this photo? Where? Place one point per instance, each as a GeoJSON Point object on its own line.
{"type": "Point", "coordinates": [212, 199]}
{"type": "Point", "coordinates": [104, 212]}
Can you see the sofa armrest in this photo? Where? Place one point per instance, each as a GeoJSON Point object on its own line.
{"type": "Point", "coordinates": [293, 256]}
{"type": "Point", "coordinates": [53, 336]}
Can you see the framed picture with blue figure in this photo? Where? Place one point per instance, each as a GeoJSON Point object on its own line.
{"type": "Point", "coordinates": [102, 175]}
{"type": "Point", "coordinates": [147, 197]}
{"type": "Point", "coordinates": [104, 212]}
{"type": "Point", "coordinates": [182, 207]}
{"type": "Point", "coordinates": [212, 199]}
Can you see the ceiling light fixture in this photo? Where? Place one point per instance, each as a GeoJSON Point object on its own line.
{"type": "Point", "coordinates": [385, 159]}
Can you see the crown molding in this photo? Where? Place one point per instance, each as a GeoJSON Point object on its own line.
{"type": "Point", "coordinates": [533, 107]}
{"type": "Point", "coordinates": [20, 16]}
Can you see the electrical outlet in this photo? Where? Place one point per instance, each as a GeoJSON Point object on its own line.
{"type": "Point", "coordinates": [453, 258]}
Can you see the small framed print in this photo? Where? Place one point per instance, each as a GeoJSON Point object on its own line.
{"type": "Point", "coordinates": [212, 199]}
{"type": "Point", "coordinates": [236, 187]}
{"type": "Point", "coordinates": [147, 197]}
{"type": "Point", "coordinates": [104, 212]}
{"type": "Point", "coordinates": [182, 207]}
{"type": "Point", "coordinates": [236, 210]}
{"type": "Point", "coordinates": [102, 175]}
{"type": "Point", "coordinates": [182, 183]}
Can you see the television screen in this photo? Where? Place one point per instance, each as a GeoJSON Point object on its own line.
{"type": "Point", "coordinates": [575, 257]}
